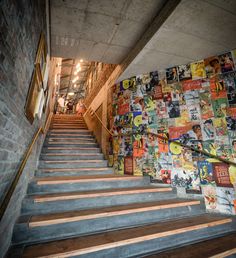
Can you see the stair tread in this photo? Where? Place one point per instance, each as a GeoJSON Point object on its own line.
{"type": "Point", "coordinates": [116, 238]}
{"type": "Point", "coordinates": [72, 169]}
{"type": "Point", "coordinates": [220, 246]}
{"type": "Point", "coordinates": [97, 193]}
{"type": "Point", "coordinates": [83, 178]}
{"type": "Point", "coordinates": [73, 161]}
{"type": "Point", "coordinates": [55, 218]}
{"type": "Point", "coordinates": [70, 154]}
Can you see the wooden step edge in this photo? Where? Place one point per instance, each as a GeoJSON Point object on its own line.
{"type": "Point", "coordinates": [70, 138]}
{"type": "Point", "coordinates": [71, 155]}
{"type": "Point", "coordinates": [69, 181]}
{"type": "Point", "coordinates": [54, 221]}
{"type": "Point", "coordinates": [224, 254]}
{"type": "Point", "coordinates": [72, 143]}
{"type": "Point", "coordinates": [70, 148]}
{"type": "Point", "coordinates": [73, 161]}
{"type": "Point", "coordinates": [135, 240]}
{"type": "Point", "coordinates": [48, 170]}
{"type": "Point", "coordinates": [95, 195]}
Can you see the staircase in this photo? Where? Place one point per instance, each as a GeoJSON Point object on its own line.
{"type": "Point", "coordinates": [77, 207]}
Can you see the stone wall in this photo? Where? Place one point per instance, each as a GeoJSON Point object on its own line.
{"type": "Point", "coordinates": [21, 22]}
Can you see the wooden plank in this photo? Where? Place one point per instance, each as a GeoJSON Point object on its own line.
{"type": "Point", "coordinates": [213, 248]}
{"type": "Point", "coordinates": [98, 193]}
{"type": "Point", "coordinates": [45, 220]}
{"type": "Point", "coordinates": [69, 180]}
{"type": "Point", "coordinates": [118, 238]}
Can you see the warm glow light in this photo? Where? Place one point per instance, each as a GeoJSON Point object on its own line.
{"type": "Point", "coordinates": [81, 60]}
{"type": "Point", "coordinates": [75, 79]}
{"type": "Point", "coordinates": [75, 72]}
{"type": "Point", "coordinates": [71, 93]}
{"type": "Point", "coordinates": [75, 86]}
{"type": "Point", "coordinates": [78, 65]}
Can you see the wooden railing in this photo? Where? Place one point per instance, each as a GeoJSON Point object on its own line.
{"type": "Point", "coordinates": [15, 181]}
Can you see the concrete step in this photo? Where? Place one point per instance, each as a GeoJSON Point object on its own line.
{"type": "Point", "coordinates": [74, 172]}
{"type": "Point", "coordinates": [69, 156]}
{"type": "Point", "coordinates": [69, 150]}
{"type": "Point", "coordinates": [84, 183]}
{"type": "Point", "coordinates": [67, 139]}
{"type": "Point", "coordinates": [219, 247]}
{"type": "Point", "coordinates": [72, 163]}
{"type": "Point", "coordinates": [77, 131]}
{"type": "Point", "coordinates": [70, 135]}
{"type": "Point", "coordinates": [135, 241]}
{"type": "Point", "coordinates": [68, 126]}
{"type": "Point", "coordinates": [53, 226]}
{"type": "Point", "coordinates": [70, 144]}
{"type": "Point", "coordinates": [67, 201]}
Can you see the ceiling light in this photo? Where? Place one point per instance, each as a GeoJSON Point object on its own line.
{"type": "Point", "coordinates": [75, 73]}
{"type": "Point", "coordinates": [81, 60]}
{"type": "Point", "coordinates": [78, 65]}
{"type": "Point", "coordinates": [71, 93]}
{"type": "Point", "coordinates": [75, 86]}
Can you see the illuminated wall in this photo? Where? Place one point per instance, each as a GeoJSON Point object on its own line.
{"type": "Point", "coordinates": [194, 104]}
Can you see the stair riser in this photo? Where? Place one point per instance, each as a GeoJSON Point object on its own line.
{"type": "Point", "coordinates": [31, 207]}
{"type": "Point", "coordinates": [68, 187]}
{"type": "Point", "coordinates": [83, 164]}
{"type": "Point", "coordinates": [70, 134]}
{"type": "Point", "coordinates": [37, 234]}
{"type": "Point", "coordinates": [80, 136]}
{"type": "Point", "coordinates": [85, 150]}
{"type": "Point", "coordinates": [79, 157]}
{"type": "Point", "coordinates": [75, 173]}
{"type": "Point", "coordinates": [79, 145]}
{"type": "Point", "coordinates": [159, 244]}
{"type": "Point", "coordinates": [74, 139]}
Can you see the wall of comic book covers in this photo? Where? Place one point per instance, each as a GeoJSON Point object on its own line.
{"type": "Point", "coordinates": [194, 104]}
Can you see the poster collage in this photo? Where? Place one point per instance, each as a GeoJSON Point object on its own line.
{"type": "Point", "coordinates": [192, 104]}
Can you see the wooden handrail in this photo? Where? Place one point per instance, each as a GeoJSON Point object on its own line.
{"type": "Point", "coordinates": [103, 125]}
{"type": "Point", "coordinates": [15, 181]}
{"type": "Point", "coordinates": [182, 145]}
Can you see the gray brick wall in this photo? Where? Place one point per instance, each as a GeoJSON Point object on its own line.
{"type": "Point", "coordinates": [21, 22]}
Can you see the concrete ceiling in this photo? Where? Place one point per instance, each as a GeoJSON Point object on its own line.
{"type": "Point", "coordinates": [99, 30]}
{"type": "Point", "coordinates": [195, 30]}
{"type": "Point", "coordinates": [108, 30]}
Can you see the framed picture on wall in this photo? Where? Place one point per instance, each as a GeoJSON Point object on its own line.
{"type": "Point", "coordinates": [32, 96]}
{"type": "Point", "coordinates": [41, 56]}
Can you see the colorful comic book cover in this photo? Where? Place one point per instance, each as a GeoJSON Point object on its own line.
{"type": "Point", "coordinates": [208, 130]}
{"type": "Point", "coordinates": [172, 75]}
{"type": "Point", "coordinates": [137, 119]}
{"type": "Point", "coordinates": [167, 96]}
{"type": "Point", "coordinates": [173, 109]}
{"type": "Point", "coordinates": [140, 91]}
{"type": "Point", "coordinates": [224, 151]}
{"type": "Point", "coordinates": [205, 170]}
{"type": "Point", "coordinates": [149, 103]}
{"type": "Point", "coordinates": [177, 132]}
{"type": "Point", "coordinates": [226, 62]}
{"type": "Point", "coordinates": [194, 112]}
{"type": "Point", "coordinates": [146, 78]}
{"type": "Point", "coordinates": [178, 178]}
{"type": "Point", "coordinates": [191, 97]}
{"type": "Point", "coordinates": [157, 92]}
{"type": "Point", "coordinates": [210, 197]}
{"type": "Point", "coordinates": [231, 126]}
{"type": "Point", "coordinates": [184, 72]}
{"type": "Point", "coordinates": [137, 104]}
{"type": "Point", "coordinates": [220, 125]}
{"type": "Point", "coordinates": [138, 145]}
{"type": "Point", "coordinates": [116, 144]}
{"type": "Point", "coordinates": [225, 200]}
{"type": "Point", "coordinates": [231, 90]}
{"type": "Point", "coordinates": [154, 81]}
{"type": "Point", "coordinates": [128, 120]}
{"type": "Point", "coordinates": [123, 108]}
{"type": "Point", "coordinates": [212, 66]}
{"type": "Point", "coordinates": [128, 145]}
{"type": "Point", "coordinates": [205, 104]}
{"type": "Point", "coordinates": [220, 107]}
{"type": "Point", "coordinates": [234, 56]}
{"type": "Point", "coordinates": [218, 89]}
{"type": "Point", "coordinates": [119, 165]}
{"type": "Point", "coordinates": [231, 111]}
{"type": "Point", "coordinates": [161, 109]}
{"type": "Point", "coordinates": [163, 176]}
{"type": "Point", "coordinates": [152, 119]}
{"type": "Point", "coordinates": [193, 183]}
{"type": "Point", "coordinates": [233, 144]}
{"type": "Point", "coordinates": [128, 84]}
{"type": "Point", "coordinates": [198, 70]}
{"type": "Point", "coordinates": [137, 166]}
{"type": "Point", "coordinates": [184, 116]}
{"type": "Point", "coordinates": [192, 85]}
{"type": "Point", "coordinates": [128, 165]}
{"type": "Point", "coordinates": [162, 140]}
{"type": "Point", "coordinates": [221, 174]}
{"type": "Point", "coordinates": [209, 146]}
